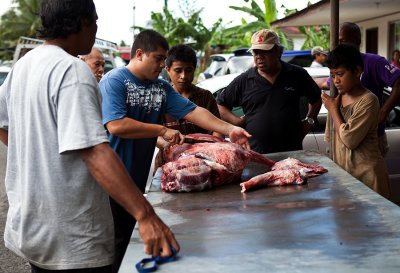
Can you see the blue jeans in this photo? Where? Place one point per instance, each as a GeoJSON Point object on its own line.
{"type": "Point", "coordinates": [103, 269]}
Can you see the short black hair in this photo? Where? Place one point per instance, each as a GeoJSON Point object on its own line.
{"type": "Point", "coordinates": [183, 53]}
{"type": "Point", "coordinates": [61, 18]}
{"type": "Point", "coordinates": [346, 56]}
{"type": "Point", "coordinates": [148, 40]}
{"type": "Point", "coordinates": [353, 30]}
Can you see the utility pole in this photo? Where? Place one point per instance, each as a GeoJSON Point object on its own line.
{"type": "Point", "coordinates": [134, 23]}
{"type": "Point", "coordinates": [334, 4]}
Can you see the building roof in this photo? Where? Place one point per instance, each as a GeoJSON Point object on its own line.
{"type": "Point", "coordinates": [355, 11]}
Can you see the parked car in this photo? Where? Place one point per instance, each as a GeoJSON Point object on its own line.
{"type": "Point", "coordinates": [315, 139]}
{"type": "Point", "coordinates": [236, 64]}
{"type": "Point", "coordinates": [301, 58]}
{"type": "Point", "coordinates": [241, 60]}
{"type": "Point", "coordinates": [4, 70]}
{"type": "Point", "coordinates": [217, 62]}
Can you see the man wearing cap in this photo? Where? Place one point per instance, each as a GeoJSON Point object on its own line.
{"type": "Point", "coordinates": [319, 56]}
{"type": "Point", "coordinates": [269, 94]}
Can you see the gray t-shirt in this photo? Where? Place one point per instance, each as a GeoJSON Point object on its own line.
{"type": "Point", "coordinates": [59, 217]}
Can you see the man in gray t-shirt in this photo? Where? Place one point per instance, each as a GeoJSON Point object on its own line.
{"type": "Point", "coordinates": [60, 166]}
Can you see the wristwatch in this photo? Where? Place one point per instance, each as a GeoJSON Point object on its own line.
{"type": "Point", "coordinates": [310, 121]}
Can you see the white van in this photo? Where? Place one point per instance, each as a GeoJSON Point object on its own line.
{"type": "Point", "coordinates": [108, 48]}
{"type": "Point", "coordinates": [4, 70]}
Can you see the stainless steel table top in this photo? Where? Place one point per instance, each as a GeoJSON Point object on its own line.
{"type": "Point", "coordinates": [332, 224]}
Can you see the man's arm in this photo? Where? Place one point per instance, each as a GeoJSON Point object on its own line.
{"type": "Point", "coordinates": [230, 97]}
{"type": "Point", "coordinates": [131, 128]}
{"type": "Point", "coordinates": [391, 102]}
{"type": "Point", "coordinates": [204, 119]}
{"type": "Point", "coordinates": [218, 135]}
{"type": "Point", "coordinates": [228, 116]}
{"type": "Point", "coordinates": [322, 83]}
{"type": "Point", "coordinates": [112, 176]}
{"type": "Point", "coordinates": [4, 136]}
{"type": "Point", "coordinates": [313, 110]}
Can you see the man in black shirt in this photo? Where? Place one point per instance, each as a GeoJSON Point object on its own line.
{"type": "Point", "coordinates": [269, 94]}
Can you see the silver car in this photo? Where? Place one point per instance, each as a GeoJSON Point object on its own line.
{"type": "Point", "coordinates": [242, 59]}
{"type": "Point", "coordinates": [315, 140]}
{"type": "Point", "coordinates": [217, 62]}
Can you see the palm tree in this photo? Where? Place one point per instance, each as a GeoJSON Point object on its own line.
{"type": "Point", "coordinates": [316, 35]}
{"type": "Point", "coordinates": [263, 18]}
{"type": "Point", "coordinates": [178, 30]}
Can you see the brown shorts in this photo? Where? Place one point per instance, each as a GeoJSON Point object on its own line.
{"type": "Point", "coordinates": [383, 144]}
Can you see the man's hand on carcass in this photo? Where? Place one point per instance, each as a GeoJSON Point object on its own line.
{"type": "Point", "coordinates": [157, 237]}
{"type": "Point", "coordinates": [162, 143]}
{"type": "Point", "coordinates": [172, 136]}
{"type": "Point", "coordinates": [240, 136]}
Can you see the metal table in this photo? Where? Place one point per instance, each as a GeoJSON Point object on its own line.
{"type": "Point", "coordinates": [332, 224]}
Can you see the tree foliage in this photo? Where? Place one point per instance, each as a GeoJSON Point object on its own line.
{"type": "Point", "coordinates": [179, 30]}
{"type": "Point", "coordinates": [315, 35]}
{"type": "Point", "coordinates": [240, 35]}
{"type": "Point", "coordinates": [20, 20]}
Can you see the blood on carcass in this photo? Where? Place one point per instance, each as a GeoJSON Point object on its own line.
{"type": "Point", "coordinates": [289, 171]}
{"type": "Point", "coordinates": [214, 164]}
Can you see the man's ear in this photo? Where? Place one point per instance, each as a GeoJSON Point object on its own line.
{"type": "Point", "coordinates": [139, 54]}
{"type": "Point", "coordinates": [86, 22]}
{"type": "Point", "coordinates": [167, 68]}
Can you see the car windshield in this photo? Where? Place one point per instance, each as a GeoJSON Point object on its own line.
{"type": "Point", "coordinates": [239, 64]}
{"type": "Point", "coordinates": [215, 67]}
{"type": "Point", "coordinates": [301, 58]}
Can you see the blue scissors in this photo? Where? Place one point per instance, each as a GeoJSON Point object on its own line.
{"type": "Point", "coordinates": [142, 266]}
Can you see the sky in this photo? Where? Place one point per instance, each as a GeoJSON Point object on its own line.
{"type": "Point", "coordinates": [117, 16]}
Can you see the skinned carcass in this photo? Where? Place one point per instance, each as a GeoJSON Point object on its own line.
{"type": "Point", "coordinates": [194, 167]}
{"type": "Point", "coordinates": [289, 171]}
{"type": "Point", "coordinates": [275, 178]}
{"type": "Point", "coordinates": [187, 174]}
{"type": "Point", "coordinates": [290, 163]}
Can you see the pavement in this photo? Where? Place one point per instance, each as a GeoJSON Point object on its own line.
{"type": "Point", "coordinates": [9, 262]}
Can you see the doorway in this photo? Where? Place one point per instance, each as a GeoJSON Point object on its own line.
{"type": "Point", "coordinates": [371, 40]}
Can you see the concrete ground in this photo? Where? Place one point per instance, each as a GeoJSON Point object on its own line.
{"type": "Point", "coordinates": [9, 262]}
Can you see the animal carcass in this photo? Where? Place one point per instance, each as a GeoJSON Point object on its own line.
{"type": "Point", "coordinates": [194, 167]}
{"type": "Point", "coordinates": [289, 171]}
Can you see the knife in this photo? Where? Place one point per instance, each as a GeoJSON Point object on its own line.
{"type": "Point", "coordinates": [192, 140]}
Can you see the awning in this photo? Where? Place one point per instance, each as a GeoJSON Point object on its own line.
{"type": "Point", "coordinates": [355, 11]}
